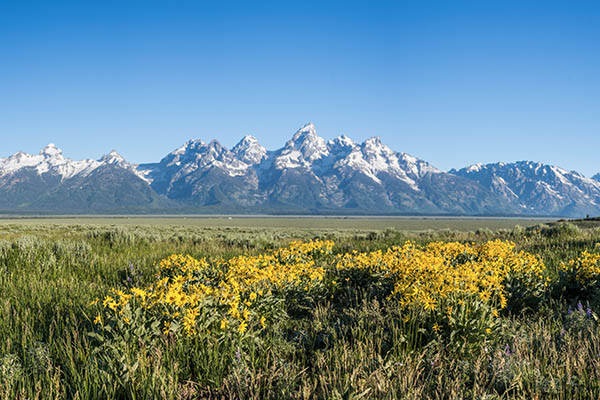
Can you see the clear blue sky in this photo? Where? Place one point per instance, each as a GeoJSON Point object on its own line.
{"type": "Point", "coordinates": [450, 82]}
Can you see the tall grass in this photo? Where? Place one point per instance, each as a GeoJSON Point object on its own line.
{"type": "Point", "coordinates": [49, 274]}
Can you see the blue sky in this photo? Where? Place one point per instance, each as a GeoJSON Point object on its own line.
{"type": "Point", "coordinates": [453, 83]}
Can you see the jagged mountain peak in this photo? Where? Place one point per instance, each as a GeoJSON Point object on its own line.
{"type": "Point", "coordinates": [596, 177]}
{"type": "Point", "coordinates": [51, 151]}
{"type": "Point", "coordinates": [471, 168]}
{"type": "Point", "coordinates": [373, 141]}
{"type": "Point", "coordinates": [307, 130]}
{"type": "Point", "coordinates": [246, 141]}
{"type": "Point", "coordinates": [194, 158]}
{"type": "Point", "coordinates": [374, 146]}
{"type": "Point", "coordinates": [115, 159]}
{"type": "Point", "coordinates": [216, 147]}
{"type": "Point", "coordinates": [342, 141]}
{"type": "Point", "coordinates": [187, 146]}
{"type": "Point", "coordinates": [195, 143]}
{"type": "Point", "coordinates": [310, 146]}
{"type": "Point", "coordinates": [249, 150]}
{"type": "Point", "coordinates": [305, 135]}
{"type": "Point", "coordinates": [112, 158]}
{"type": "Point", "coordinates": [199, 149]}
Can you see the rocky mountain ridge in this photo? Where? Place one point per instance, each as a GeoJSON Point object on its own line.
{"type": "Point", "coordinates": [533, 186]}
{"type": "Point", "coordinates": [308, 175]}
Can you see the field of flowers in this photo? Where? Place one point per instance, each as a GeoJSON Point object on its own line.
{"type": "Point", "coordinates": [148, 312]}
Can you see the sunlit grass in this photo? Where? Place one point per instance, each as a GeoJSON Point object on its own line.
{"type": "Point", "coordinates": [346, 339]}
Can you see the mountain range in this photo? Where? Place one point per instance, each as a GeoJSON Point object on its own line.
{"type": "Point", "coordinates": [308, 175]}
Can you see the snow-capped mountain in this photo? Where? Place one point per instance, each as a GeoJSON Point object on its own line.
{"type": "Point", "coordinates": [307, 175]}
{"type": "Point", "coordinates": [50, 182]}
{"type": "Point", "coordinates": [50, 160]}
{"type": "Point", "coordinates": [596, 177]}
{"type": "Point", "coordinates": [200, 173]}
{"type": "Point", "coordinates": [538, 188]}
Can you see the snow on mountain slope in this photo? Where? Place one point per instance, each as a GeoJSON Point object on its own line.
{"type": "Point", "coordinates": [538, 187]}
{"type": "Point", "coordinates": [208, 172]}
{"type": "Point", "coordinates": [345, 157]}
{"type": "Point", "coordinates": [50, 160]}
{"type": "Point", "coordinates": [249, 150]}
{"type": "Point", "coordinates": [305, 150]}
{"type": "Point", "coordinates": [596, 177]}
{"type": "Point", "coordinates": [373, 158]}
{"type": "Point", "coordinates": [196, 155]}
{"type": "Point", "coordinates": [49, 182]}
{"type": "Point", "coordinates": [302, 150]}
{"type": "Point", "coordinates": [115, 159]}
{"type": "Point", "coordinates": [309, 173]}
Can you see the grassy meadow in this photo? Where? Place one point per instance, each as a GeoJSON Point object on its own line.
{"type": "Point", "coordinates": [299, 223]}
{"type": "Point", "coordinates": [299, 308]}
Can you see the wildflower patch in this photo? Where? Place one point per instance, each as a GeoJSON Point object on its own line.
{"type": "Point", "coordinates": [448, 285]}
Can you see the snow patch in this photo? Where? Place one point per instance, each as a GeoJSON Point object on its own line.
{"type": "Point", "coordinates": [475, 167]}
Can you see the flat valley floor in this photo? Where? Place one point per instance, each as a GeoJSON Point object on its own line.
{"type": "Point", "coordinates": [300, 222]}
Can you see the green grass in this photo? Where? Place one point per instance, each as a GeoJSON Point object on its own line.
{"type": "Point", "coordinates": [335, 223]}
{"type": "Point", "coordinates": [50, 270]}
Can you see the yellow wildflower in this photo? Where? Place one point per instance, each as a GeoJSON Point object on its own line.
{"type": "Point", "coordinates": [224, 324]}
